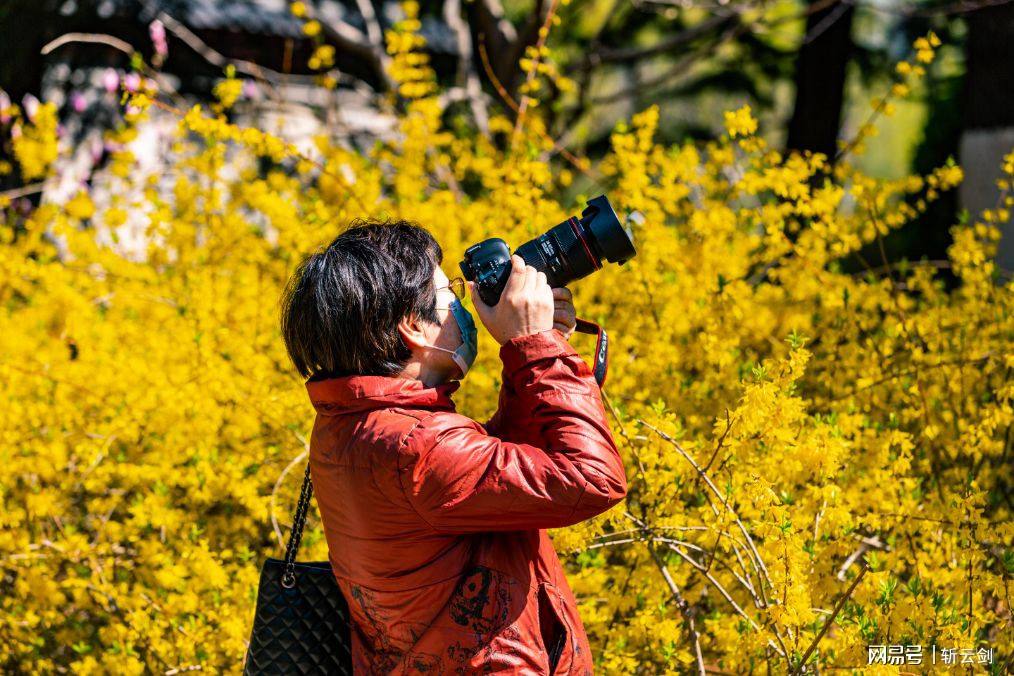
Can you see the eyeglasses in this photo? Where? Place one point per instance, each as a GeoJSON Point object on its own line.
{"type": "Point", "coordinates": [457, 287]}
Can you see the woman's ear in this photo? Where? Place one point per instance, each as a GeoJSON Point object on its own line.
{"type": "Point", "coordinates": [412, 331]}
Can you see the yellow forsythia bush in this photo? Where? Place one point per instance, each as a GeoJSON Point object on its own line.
{"type": "Point", "coordinates": [788, 427]}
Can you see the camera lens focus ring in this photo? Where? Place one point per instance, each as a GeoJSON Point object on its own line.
{"type": "Point", "coordinates": [545, 253]}
{"type": "Point", "coordinates": [532, 255]}
{"type": "Point", "coordinates": [561, 253]}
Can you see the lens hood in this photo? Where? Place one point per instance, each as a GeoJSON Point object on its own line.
{"type": "Point", "coordinates": [613, 242]}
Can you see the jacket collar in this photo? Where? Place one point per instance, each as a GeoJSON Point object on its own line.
{"type": "Point", "coordinates": [359, 393]}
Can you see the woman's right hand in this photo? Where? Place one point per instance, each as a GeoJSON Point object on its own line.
{"type": "Point", "coordinates": [526, 305]}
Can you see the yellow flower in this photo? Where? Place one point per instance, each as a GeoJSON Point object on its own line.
{"type": "Point", "coordinates": [227, 91]}
{"type": "Point", "coordinates": [740, 122]}
{"type": "Point", "coordinates": [80, 206]}
{"type": "Point", "coordinates": [323, 56]}
{"type": "Point", "coordinates": [311, 28]}
{"type": "Point", "coordinates": [35, 147]}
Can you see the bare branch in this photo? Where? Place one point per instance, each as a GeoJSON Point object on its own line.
{"type": "Point", "coordinates": [94, 38]}
{"type": "Point", "coordinates": [684, 607]}
{"type": "Point", "coordinates": [543, 35]}
{"type": "Point", "coordinates": [713, 558]}
{"type": "Point", "coordinates": [681, 67]}
{"type": "Point", "coordinates": [721, 440]}
{"type": "Point", "coordinates": [711, 485]}
{"type": "Point", "coordinates": [29, 189]}
{"type": "Point", "coordinates": [834, 614]}
{"type": "Point", "coordinates": [180, 670]}
{"type": "Point", "coordinates": [109, 41]}
{"type": "Point", "coordinates": [190, 39]}
{"type": "Point", "coordinates": [672, 544]}
{"type": "Point", "coordinates": [865, 544]}
{"type": "Point", "coordinates": [631, 54]}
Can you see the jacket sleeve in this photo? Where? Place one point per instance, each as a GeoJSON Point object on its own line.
{"type": "Point", "coordinates": [508, 422]}
{"type": "Point", "coordinates": [495, 425]}
{"type": "Point", "coordinates": [499, 422]}
{"type": "Point", "coordinates": [459, 479]}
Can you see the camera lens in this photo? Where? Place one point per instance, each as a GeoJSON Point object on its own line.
{"type": "Point", "coordinates": [575, 248]}
{"type": "Point", "coordinates": [563, 253]}
{"type": "Point", "coordinates": [567, 251]}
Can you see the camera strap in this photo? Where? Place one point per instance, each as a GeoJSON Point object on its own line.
{"type": "Point", "coordinates": [601, 359]}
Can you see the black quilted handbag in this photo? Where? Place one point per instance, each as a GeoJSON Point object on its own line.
{"type": "Point", "coordinates": [301, 625]}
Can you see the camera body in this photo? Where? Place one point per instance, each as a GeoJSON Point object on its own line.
{"type": "Point", "coordinates": [488, 264]}
{"type": "Point", "coordinates": [568, 251]}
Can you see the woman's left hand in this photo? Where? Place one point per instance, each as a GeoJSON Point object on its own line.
{"type": "Point", "coordinates": [564, 314]}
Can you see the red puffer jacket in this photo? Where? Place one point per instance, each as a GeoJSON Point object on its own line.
{"type": "Point", "coordinates": [435, 523]}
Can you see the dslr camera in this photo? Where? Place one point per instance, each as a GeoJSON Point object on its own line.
{"type": "Point", "coordinates": [568, 251]}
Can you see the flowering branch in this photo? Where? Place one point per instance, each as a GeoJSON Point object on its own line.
{"type": "Point", "coordinates": [831, 618]}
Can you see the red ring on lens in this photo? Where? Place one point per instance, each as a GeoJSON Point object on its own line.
{"type": "Point", "coordinates": [584, 243]}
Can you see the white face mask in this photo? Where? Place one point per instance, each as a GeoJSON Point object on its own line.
{"type": "Point", "coordinates": [466, 353]}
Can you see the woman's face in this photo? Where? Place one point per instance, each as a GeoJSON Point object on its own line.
{"type": "Point", "coordinates": [445, 333]}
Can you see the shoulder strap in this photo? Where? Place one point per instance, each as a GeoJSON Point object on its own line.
{"type": "Point", "coordinates": [296, 534]}
{"type": "Point", "coordinates": [601, 359]}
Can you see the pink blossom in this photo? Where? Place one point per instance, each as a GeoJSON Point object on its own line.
{"type": "Point", "coordinates": [110, 80]}
{"type": "Point", "coordinates": [5, 103]}
{"type": "Point", "coordinates": [251, 90]}
{"type": "Point", "coordinates": [78, 102]}
{"type": "Point", "coordinates": [157, 32]}
{"type": "Point", "coordinates": [31, 105]}
{"type": "Point", "coordinates": [132, 82]}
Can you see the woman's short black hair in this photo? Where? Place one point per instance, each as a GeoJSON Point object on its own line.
{"type": "Point", "coordinates": [341, 308]}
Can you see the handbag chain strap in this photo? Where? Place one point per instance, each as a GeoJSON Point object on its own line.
{"type": "Point", "coordinates": [305, 493]}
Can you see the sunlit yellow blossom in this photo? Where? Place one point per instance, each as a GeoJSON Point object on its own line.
{"type": "Point", "coordinates": [227, 91]}
{"type": "Point", "coordinates": [35, 148]}
{"type": "Point", "coordinates": [311, 28]}
{"type": "Point", "coordinates": [740, 122]}
{"type": "Point", "coordinates": [80, 206]}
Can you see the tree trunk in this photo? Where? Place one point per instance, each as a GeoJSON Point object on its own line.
{"type": "Point", "coordinates": [820, 77]}
{"type": "Point", "coordinates": [989, 114]}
